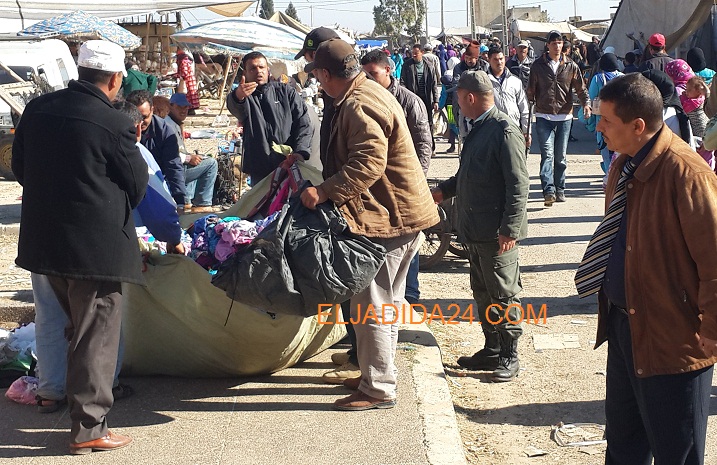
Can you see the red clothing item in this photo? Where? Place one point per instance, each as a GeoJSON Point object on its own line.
{"type": "Point", "coordinates": [185, 68]}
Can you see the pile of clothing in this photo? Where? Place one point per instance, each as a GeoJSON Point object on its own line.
{"type": "Point", "coordinates": [210, 240]}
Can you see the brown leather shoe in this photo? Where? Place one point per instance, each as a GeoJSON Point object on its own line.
{"type": "Point", "coordinates": [360, 401]}
{"type": "Point", "coordinates": [352, 383]}
{"type": "Point", "coordinates": [111, 441]}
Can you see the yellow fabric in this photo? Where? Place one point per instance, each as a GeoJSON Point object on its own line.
{"type": "Point", "coordinates": [175, 325]}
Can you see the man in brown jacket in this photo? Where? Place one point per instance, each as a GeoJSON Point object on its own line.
{"type": "Point", "coordinates": [652, 262]}
{"type": "Point", "coordinates": [374, 177]}
{"type": "Point", "coordinates": [553, 79]}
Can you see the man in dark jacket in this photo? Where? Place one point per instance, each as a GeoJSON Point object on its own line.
{"type": "Point", "coordinates": [594, 51]}
{"type": "Point", "coordinates": [491, 190]}
{"type": "Point", "coordinates": [553, 79]}
{"type": "Point", "coordinates": [273, 114]}
{"type": "Point", "coordinates": [86, 188]}
{"type": "Point", "coordinates": [472, 61]}
{"type": "Point", "coordinates": [419, 76]}
{"type": "Point", "coordinates": [308, 51]}
{"type": "Point", "coordinates": [161, 140]}
{"type": "Point", "coordinates": [519, 64]}
{"type": "Point", "coordinates": [658, 58]}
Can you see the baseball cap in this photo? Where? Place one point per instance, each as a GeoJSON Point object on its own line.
{"type": "Point", "coordinates": [657, 40]}
{"type": "Point", "coordinates": [483, 48]}
{"type": "Point", "coordinates": [314, 38]}
{"type": "Point", "coordinates": [553, 35]}
{"type": "Point", "coordinates": [523, 43]}
{"type": "Point", "coordinates": [475, 81]}
{"type": "Point", "coordinates": [180, 99]}
{"type": "Point", "coordinates": [102, 55]}
{"type": "Point", "coordinates": [335, 55]}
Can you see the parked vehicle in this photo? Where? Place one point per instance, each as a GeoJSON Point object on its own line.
{"type": "Point", "coordinates": [46, 62]}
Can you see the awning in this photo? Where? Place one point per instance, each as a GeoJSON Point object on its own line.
{"type": "Point", "coordinates": [242, 35]}
{"type": "Point", "coordinates": [230, 9]}
{"type": "Point", "coordinates": [80, 26]}
{"type": "Point", "coordinates": [32, 9]}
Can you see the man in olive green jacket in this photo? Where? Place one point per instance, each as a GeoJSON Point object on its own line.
{"type": "Point", "coordinates": [373, 175]}
{"type": "Point", "coordinates": [491, 189]}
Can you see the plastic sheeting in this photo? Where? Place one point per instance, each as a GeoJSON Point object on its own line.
{"type": "Point", "coordinates": [175, 325]}
{"type": "Point", "coordinates": [642, 18]}
{"type": "Point", "coordinates": [242, 35]}
{"type": "Point", "coordinates": [82, 26]}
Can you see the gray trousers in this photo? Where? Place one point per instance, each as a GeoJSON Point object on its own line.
{"type": "Point", "coordinates": [94, 311]}
{"type": "Point", "coordinates": [495, 281]}
{"type": "Point", "coordinates": [376, 338]}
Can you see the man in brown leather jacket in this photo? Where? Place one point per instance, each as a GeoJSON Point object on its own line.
{"type": "Point", "coordinates": [553, 79]}
{"type": "Point", "coordinates": [654, 269]}
{"type": "Point", "coordinates": [374, 177]}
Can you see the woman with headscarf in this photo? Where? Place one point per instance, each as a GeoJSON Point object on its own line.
{"type": "Point", "coordinates": [451, 53]}
{"type": "Point", "coordinates": [672, 113]}
{"type": "Point", "coordinates": [442, 58]}
{"type": "Point", "coordinates": [680, 72]}
{"type": "Point", "coordinates": [696, 60]}
{"type": "Point", "coordinates": [607, 71]}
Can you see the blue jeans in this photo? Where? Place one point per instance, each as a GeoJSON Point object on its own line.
{"type": "Point", "coordinates": [199, 182]}
{"type": "Point", "coordinates": [50, 323]}
{"type": "Point", "coordinates": [412, 279]}
{"type": "Point", "coordinates": [553, 141]}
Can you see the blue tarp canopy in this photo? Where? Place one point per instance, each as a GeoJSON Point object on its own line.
{"type": "Point", "coordinates": [243, 35]}
{"type": "Point", "coordinates": [81, 26]}
{"type": "Point", "coordinates": [371, 43]}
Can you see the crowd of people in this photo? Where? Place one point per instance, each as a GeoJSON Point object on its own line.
{"type": "Point", "coordinates": [651, 259]}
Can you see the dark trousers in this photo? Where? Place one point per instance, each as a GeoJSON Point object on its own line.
{"type": "Point", "coordinates": [664, 416]}
{"type": "Point", "coordinates": [346, 311]}
{"type": "Point", "coordinates": [429, 111]}
{"type": "Point", "coordinates": [495, 281]}
{"type": "Point", "coordinates": [94, 311]}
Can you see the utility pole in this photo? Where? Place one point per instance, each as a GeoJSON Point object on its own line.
{"type": "Point", "coordinates": [428, 38]}
{"type": "Point", "coordinates": [443, 26]}
{"type": "Point", "coordinates": [312, 15]}
{"type": "Point", "coordinates": [504, 24]}
{"type": "Point", "coordinates": [468, 13]}
{"type": "Point", "coordinates": [473, 19]}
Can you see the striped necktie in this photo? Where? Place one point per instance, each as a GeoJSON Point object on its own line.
{"type": "Point", "coordinates": [591, 271]}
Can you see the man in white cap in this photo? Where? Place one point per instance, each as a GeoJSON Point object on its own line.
{"type": "Point", "coordinates": [86, 187]}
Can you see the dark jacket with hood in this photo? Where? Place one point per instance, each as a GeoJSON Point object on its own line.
{"type": "Point", "coordinates": [273, 113]}
{"type": "Point", "coordinates": [80, 189]}
{"type": "Point", "coordinates": [417, 120]}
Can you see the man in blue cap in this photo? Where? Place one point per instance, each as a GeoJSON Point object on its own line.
{"type": "Point", "coordinates": [200, 172]}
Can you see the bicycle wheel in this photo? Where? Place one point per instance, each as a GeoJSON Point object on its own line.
{"type": "Point", "coordinates": [436, 244]}
{"type": "Point", "coordinates": [457, 248]}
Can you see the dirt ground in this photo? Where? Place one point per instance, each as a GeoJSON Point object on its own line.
{"type": "Point", "coordinates": [499, 423]}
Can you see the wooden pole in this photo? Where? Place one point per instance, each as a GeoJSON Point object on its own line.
{"type": "Point", "coordinates": [234, 76]}
{"type": "Point", "coordinates": [146, 47]}
{"type": "Point", "coordinates": [224, 85]}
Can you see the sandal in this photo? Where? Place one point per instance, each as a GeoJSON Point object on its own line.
{"type": "Point", "coordinates": [49, 405]}
{"type": "Point", "coordinates": [122, 391]}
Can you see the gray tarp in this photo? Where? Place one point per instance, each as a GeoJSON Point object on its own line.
{"type": "Point", "coordinates": [677, 21]}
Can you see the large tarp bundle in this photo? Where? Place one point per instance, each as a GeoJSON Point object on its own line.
{"type": "Point", "coordinates": [176, 324]}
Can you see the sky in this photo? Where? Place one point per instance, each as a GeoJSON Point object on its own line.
{"type": "Point", "coordinates": [358, 14]}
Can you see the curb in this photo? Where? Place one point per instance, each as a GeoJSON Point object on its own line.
{"type": "Point", "coordinates": [441, 436]}
{"type": "Point", "coordinates": [10, 229]}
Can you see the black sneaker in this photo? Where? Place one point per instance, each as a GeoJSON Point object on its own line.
{"type": "Point", "coordinates": [560, 197]}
